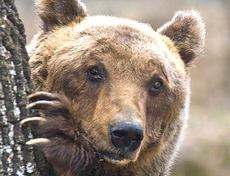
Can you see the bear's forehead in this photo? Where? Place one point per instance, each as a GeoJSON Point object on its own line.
{"type": "Point", "coordinates": [126, 37]}
{"type": "Point", "coordinates": [114, 24]}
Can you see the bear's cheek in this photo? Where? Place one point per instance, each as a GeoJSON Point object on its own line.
{"type": "Point", "coordinates": [161, 113]}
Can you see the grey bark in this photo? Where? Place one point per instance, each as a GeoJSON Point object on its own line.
{"type": "Point", "coordinates": [15, 157]}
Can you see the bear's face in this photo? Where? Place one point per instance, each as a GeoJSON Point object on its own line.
{"type": "Point", "coordinates": [128, 85]}
{"type": "Point", "coordinates": [122, 72]}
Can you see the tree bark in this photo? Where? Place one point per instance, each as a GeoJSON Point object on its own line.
{"type": "Point", "coordinates": [16, 158]}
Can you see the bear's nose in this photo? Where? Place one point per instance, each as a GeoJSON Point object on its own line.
{"type": "Point", "coordinates": [126, 136]}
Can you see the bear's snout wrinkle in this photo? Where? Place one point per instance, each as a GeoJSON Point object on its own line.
{"type": "Point", "coordinates": [126, 136]}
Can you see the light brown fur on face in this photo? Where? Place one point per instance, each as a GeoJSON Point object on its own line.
{"type": "Point", "coordinates": [131, 56]}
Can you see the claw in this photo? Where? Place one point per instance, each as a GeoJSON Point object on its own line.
{"type": "Point", "coordinates": [50, 103]}
{"type": "Point", "coordinates": [43, 104]}
{"type": "Point", "coordinates": [32, 119]}
{"type": "Point", "coordinates": [42, 96]}
{"type": "Point", "coordinates": [38, 141]}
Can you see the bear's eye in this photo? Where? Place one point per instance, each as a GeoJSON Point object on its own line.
{"type": "Point", "coordinates": [155, 86]}
{"type": "Point", "coordinates": [95, 73]}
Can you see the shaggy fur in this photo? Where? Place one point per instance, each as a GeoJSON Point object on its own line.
{"type": "Point", "coordinates": [129, 58]}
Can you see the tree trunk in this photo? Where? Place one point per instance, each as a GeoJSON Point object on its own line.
{"type": "Point", "coordinates": [16, 158]}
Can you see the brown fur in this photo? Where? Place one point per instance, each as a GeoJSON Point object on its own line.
{"type": "Point", "coordinates": [132, 55]}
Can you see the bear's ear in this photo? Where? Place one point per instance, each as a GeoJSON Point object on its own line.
{"type": "Point", "coordinates": [59, 12]}
{"type": "Point", "coordinates": [187, 31]}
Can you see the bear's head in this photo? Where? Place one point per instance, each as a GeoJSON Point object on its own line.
{"type": "Point", "coordinates": [128, 85]}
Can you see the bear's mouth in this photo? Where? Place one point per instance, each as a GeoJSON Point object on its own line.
{"type": "Point", "coordinates": [114, 158]}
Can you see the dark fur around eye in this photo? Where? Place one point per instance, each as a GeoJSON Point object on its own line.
{"type": "Point", "coordinates": [95, 73]}
{"type": "Point", "coordinates": [155, 86]}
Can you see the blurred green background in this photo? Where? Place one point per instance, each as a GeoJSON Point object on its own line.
{"type": "Point", "coordinates": [206, 148]}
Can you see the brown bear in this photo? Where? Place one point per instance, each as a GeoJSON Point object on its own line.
{"type": "Point", "coordinates": [114, 94]}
